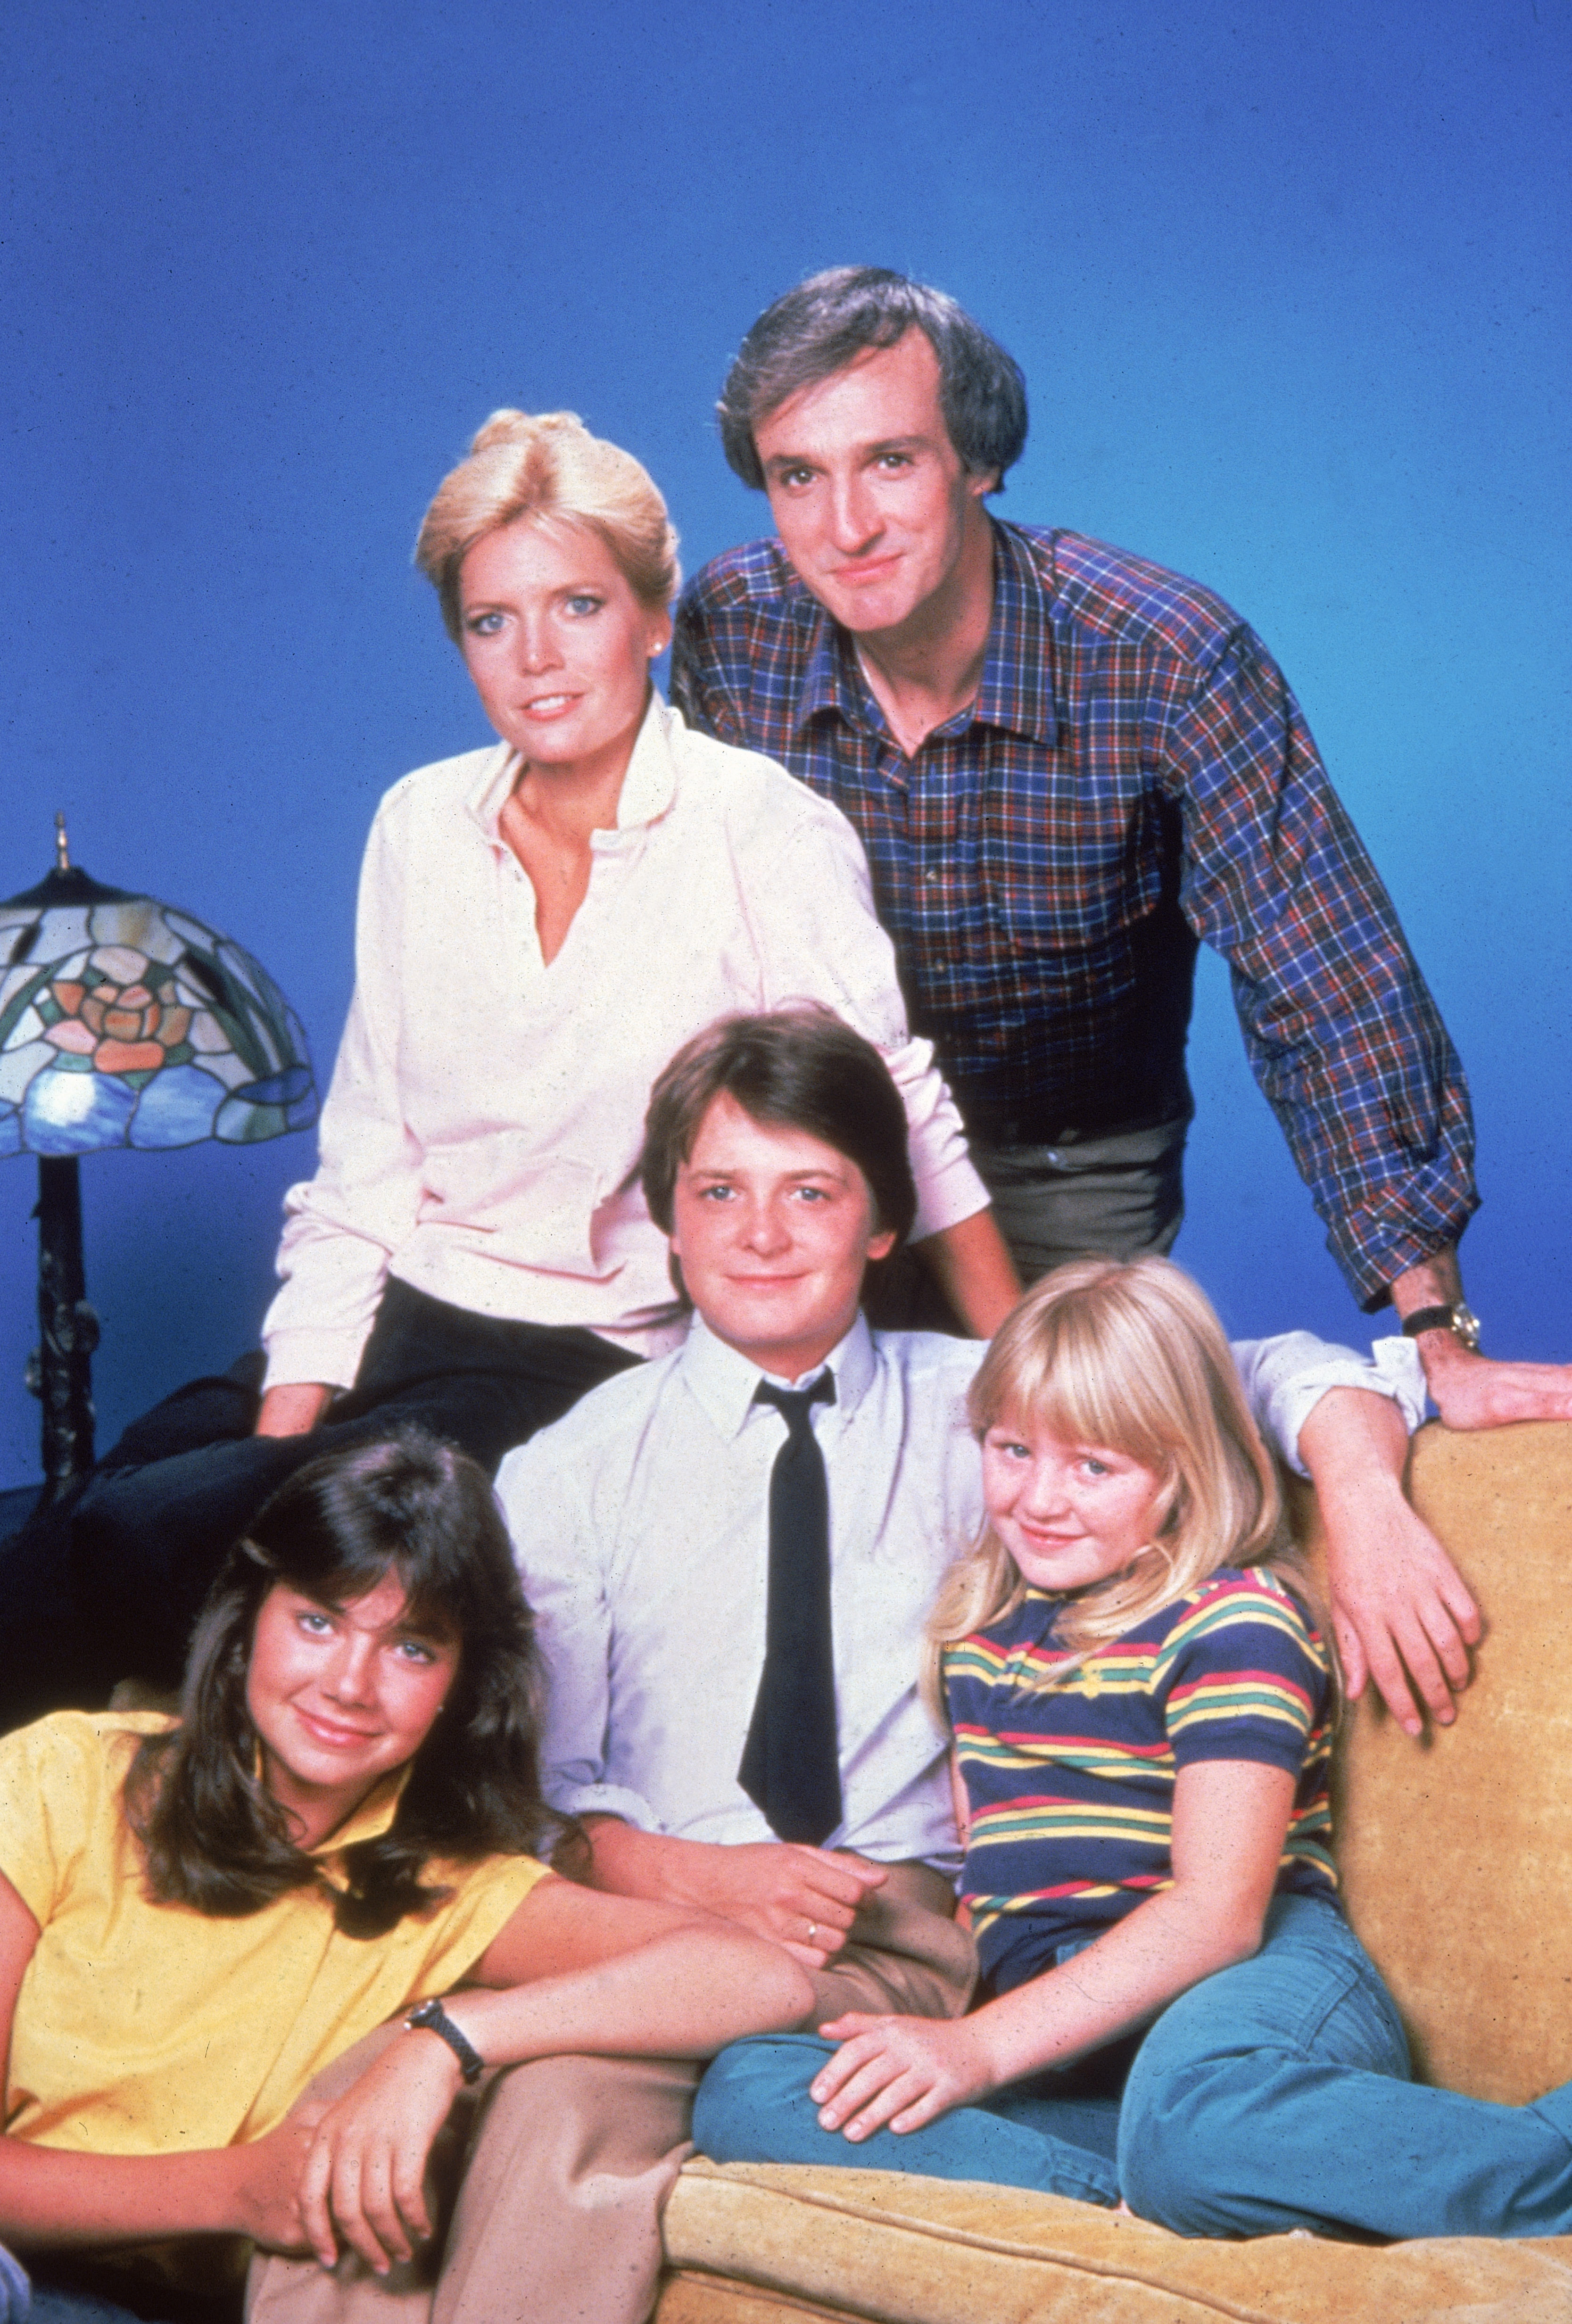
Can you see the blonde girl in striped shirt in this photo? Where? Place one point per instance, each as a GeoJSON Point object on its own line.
{"type": "Point", "coordinates": [1173, 2012]}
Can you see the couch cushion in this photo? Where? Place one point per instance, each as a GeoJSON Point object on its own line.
{"type": "Point", "coordinates": [755, 2243]}
{"type": "Point", "coordinates": [1457, 1860]}
{"type": "Point", "coordinates": [1456, 1854]}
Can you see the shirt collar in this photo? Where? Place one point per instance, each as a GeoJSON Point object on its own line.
{"type": "Point", "coordinates": [832, 680]}
{"type": "Point", "coordinates": [1016, 688]}
{"type": "Point", "coordinates": [648, 787]}
{"type": "Point", "coordinates": [371, 1818]}
{"type": "Point", "coordinates": [723, 1379]}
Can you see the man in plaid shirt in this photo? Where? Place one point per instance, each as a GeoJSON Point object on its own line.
{"type": "Point", "coordinates": [1068, 766]}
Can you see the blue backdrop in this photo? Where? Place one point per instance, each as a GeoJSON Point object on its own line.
{"type": "Point", "coordinates": [1288, 285]}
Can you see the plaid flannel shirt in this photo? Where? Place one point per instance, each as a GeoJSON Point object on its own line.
{"type": "Point", "coordinates": [1134, 775]}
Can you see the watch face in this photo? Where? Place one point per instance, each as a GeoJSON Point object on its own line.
{"type": "Point", "coordinates": [1466, 1323]}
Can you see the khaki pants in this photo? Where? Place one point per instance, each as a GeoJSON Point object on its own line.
{"type": "Point", "coordinates": [555, 2209]}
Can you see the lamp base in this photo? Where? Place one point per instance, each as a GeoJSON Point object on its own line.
{"type": "Point", "coordinates": [60, 1372]}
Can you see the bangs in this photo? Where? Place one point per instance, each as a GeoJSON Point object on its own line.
{"type": "Point", "coordinates": [1129, 1356]}
{"type": "Point", "coordinates": [1088, 1377]}
{"type": "Point", "coordinates": [427, 1611]}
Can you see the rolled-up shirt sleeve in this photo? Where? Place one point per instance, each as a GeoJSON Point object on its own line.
{"type": "Point", "coordinates": [1286, 1376]}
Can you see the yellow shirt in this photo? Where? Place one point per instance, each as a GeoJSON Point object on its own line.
{"type": "Point", "coordinates": [146, 2029]}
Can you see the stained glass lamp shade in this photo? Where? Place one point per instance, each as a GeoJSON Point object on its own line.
{"type": "Point", "coordinates": [125, 1022]}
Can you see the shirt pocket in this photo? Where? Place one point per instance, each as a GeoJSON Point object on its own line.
{"type": "Point", "coordinates": [1071, 876]}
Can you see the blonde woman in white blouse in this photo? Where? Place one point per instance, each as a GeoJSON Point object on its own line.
{"type": "Point", "coordinates": [541, 925]}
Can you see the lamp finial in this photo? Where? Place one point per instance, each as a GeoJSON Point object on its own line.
{"type": "Point", "coordinates": [62, 862]}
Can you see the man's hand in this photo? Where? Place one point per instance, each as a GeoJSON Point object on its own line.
{"type": "Point", "coordinates": [899, 2071]}
{"type": "Point", "coordinates": [803, 1898]}
{"type": "Point", "coordinates": [1473, 1391]}
{"type": "Point", "coordinates": [1400, 1610]}
{"type": "Point", "coordinates": [1470, 1390]}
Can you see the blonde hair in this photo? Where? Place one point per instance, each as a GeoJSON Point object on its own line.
{"type": "Point", "coordinates": [548, 470]}
{"type": "Point", "coordinates": [1127, 1355]}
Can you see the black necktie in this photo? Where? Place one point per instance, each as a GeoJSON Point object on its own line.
{"type": "Point", "coordinates": [791, 1765]}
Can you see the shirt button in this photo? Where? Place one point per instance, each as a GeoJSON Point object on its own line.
{"type": "Point", "coordinates": [931, 879]}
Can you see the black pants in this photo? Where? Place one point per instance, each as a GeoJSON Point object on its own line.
{"type": "Point", "coordinates": [106, 1583]}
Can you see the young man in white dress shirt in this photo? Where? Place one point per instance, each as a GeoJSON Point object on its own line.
{"type": "Point", "coordinates": [775, 1158]}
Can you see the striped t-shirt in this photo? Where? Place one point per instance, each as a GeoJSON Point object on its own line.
{"type": "Point", "coordinates": [1071, 1786]}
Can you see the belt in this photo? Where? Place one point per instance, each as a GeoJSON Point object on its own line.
{"type": "Point", "coordinates": [1025, 1125]}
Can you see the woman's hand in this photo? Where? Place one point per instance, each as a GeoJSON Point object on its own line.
{"type": "Point", "coordinates": [292, 1408]}
{"type": "Point", "coordinates": [364, 2174]}
{"type": "Point", "coordinates": [899, 2071]}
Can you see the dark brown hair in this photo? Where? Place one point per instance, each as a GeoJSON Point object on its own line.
{"type": "Point", "coordinates": [797, 1068]}
{"type": "Point", "coordinates": [212, 1834]}
{"type": "Point", "coordinates": [823, 325]}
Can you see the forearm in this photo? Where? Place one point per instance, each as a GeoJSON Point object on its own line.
{"type": "Point", "coordinates": [1121, 1981]}
{"type": "Point", "coordinates": [975, 1270]}
{"type": "Point", "coordinates": [332, 1275]}
{"type": "Point", "coordinates": [627, 1862]}
{"type": "Point", "coordinates": [683, 1995]}
{"type": "Point", "coordinates": [1436, 1282]}
{"type": "Point", "coordinates": [49, 2196]}
{"type": "Point", "coordinates": [342, 1225]}
{"type": "Point", "coordinates": [1354, 1447]}
{"type": "Point", "coordinates": [292, 1408]}
{"type": "Point", "coordinates": [1288, 1376]}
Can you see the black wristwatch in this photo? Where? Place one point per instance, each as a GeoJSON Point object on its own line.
{"type": "Point", "coordinates": [430, 2017]}
{"type": "Point", "coordinates": [1459, 1320]}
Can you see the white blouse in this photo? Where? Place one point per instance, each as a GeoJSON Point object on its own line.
{"type": "Point", "coordinates": [486, 1108]}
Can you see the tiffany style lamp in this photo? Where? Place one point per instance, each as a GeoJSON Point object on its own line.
{"type": "Point", "coordinates": [123, 1022]}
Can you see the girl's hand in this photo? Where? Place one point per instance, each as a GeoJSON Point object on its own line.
{"type": "Point", "coordinates": [899, 2071]}
{"type": "Point", "coordinates": [363, 2176]}
{"type": "Point", "coordinates": [267, 2184]}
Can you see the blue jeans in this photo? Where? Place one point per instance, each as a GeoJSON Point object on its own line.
{"type": "Point", "coordinates": [52, 2305]}
{"type": "Point", "coordinates": [1274, 2095]}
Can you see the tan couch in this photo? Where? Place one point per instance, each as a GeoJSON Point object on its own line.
{"type": "Point", "coordinates": [1457, 1860]}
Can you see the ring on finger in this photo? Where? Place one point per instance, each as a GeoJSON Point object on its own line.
{"type": "Point", "coordinates": [812, 1930]}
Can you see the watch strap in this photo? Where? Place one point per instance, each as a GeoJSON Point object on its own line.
{"type": "Point", "coordinates": [1455, 1318]}
{"type": "Point", "coordinates": [430, 2017]}
{"type": "Point", "coordinates": [1426, 1319]}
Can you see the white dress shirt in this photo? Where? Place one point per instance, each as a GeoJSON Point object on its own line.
{"type": "Point", "coordinates": [641, 1527]}
{"type": "Point", "coordinates": [486, 1108]}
